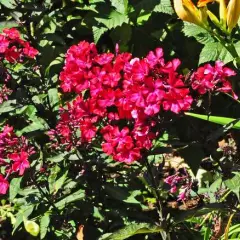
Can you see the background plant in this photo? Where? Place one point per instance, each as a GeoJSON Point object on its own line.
{"type": "Point", "coordinates": [65, 189]}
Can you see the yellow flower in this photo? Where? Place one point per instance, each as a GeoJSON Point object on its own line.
{"type": "Point", "coordinates": [187, 11]}
{"type": "Point", "coordinates": [229, 12]}
{"type": "Point", "coordinates": [233, 14]}
{"type": "Point", "coordinates": [222, 8]}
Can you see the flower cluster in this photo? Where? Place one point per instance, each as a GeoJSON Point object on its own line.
{"type": "Point", "coordinates": [119, 99]}
{"type": "Point", "coordinates": [212, 78]}
{"type": "Point", "coordinates": [14, 154]}
{"type": "Point", "coordinates": [13, 48]}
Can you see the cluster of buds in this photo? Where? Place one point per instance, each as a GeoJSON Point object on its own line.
{"type": "Point", "coordinates": [14, 155]}
{"type": "Point", "coordinates": [229, 13]}
{"type": "Point", "coordinates": [181, 183]}
{"type": "Point", "coordinates": [4, 93]}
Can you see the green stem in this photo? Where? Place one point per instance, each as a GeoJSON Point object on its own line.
{"type": "Point", "coordinates": [227, 44]}
{"type": "Point", "coordinates": [164, 234]}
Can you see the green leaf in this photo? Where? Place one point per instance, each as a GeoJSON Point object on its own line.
{"type": "Point", "coordinates": [113, 20]}
{"type": "Point", "coordinates": [53, 99]}
{"type": "Point", "coordinates": [14, 188]}
{"type": "Point", "coordinates": [121, 194]}
{"type": "Point", "coordinates": [147, 5]}
{"type": "Point", "coordinates": [7, 24]}
{"type": "Point", "coordinates": [200, 34]}
{"type": "Point", "coordinates": [234, 184]}
{"type": "Point", "coordinates": [9, 3]}
{"type": "Point", "coordinates": [57, 61]}
{"type": "Point", "coordinates": [52, 177]}
{"type": "Point", "coordinates": [122, 34]}
{"type": "Point", "coordinates": [98, 32]}
{"type": "Point", "coordinates": [24, 212]}
{"type": "Point", "coordinates": [221, 131]}
{"type": "Point", "coordinates": [78, 195]}
{"type": "Point", "coordinates": [44, 223]}
{"type": "Point", "coordinates": [8, 106]}
{"type": "Point", "coordinates": [164, 7]}
{"type": "Point", "coordinates": [181, 216]}
{"type": "Point", "coordinates": [216, 119]}
{"type": "Point", "coordinates": [28, 110]}
{"type": "Point", "coordinates": [235, 229]}
{"type": "Point", "coordinates": [133, 229]}
{"type": "Point", "coordinates": [58, 158]}
{"type": "Point", "coordinates": [193, 155]}
{"type": "Point", "coordinates": [59, 183]}
{"type": "Point", "coordinates": [38, 125]}
{"type": "Point", "coordinates": [120, 5]}
{"type": "Point", "coordinates": [207, 233]}
{"type": "Point", "coordinates": [97, 214]}
{"type": "Point", "coordinates": [216, 185]}
{"type": "Point", "coordinates": [143, 17]}
{"type": "Point", "coordinates": [214, 51]}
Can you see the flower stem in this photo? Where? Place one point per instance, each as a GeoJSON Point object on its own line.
{"type": "Point", "coordinates": [226, 43]}
{"type": "Point", "coordinates": [164, 234]}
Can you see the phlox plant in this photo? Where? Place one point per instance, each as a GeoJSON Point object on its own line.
{"type": "Point", "coordinates": [101, 122]}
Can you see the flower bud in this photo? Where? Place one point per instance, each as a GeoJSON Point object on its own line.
{"type": "Point", "coordinates": [222, 11]}
{"type": "Point", "coordinates": [233, 14]}
{"type": "Point", "coordinates": [213, 18]}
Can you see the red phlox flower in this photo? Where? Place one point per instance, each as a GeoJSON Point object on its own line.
{"type": "Point", "coordinates": [17, 150]}
{"type": "Point", "coordinates": [12, 54]}
{"type": "Point", "coordinates": [111, 79]}
{"type": "Point", "coordinates": [140, 69]}
{"type": "Point", "coordinates": [29, 51]}
{"type": "Point", "coordinates": [212, 78]}
{"type": "Point", "coordinates": [117, 89]}
{"type": "Point", "coordinates": [119, 144]}
{"type": "Point", "coordinates": [88, 130]}
{"type": "Point", "coordinates": [121, 60]}
{"type": "Point", "coordinates": [12, 33]}
{"type": "Point", "coordinates": [104, 58]}
{"type": "Point", "coordinates": [177, 101]}
{"type": "Point", "coordinates": [13, 47]}
{"type": "Point", "coordinates": [20, 162]}
{"type": "Point", "coordinates": [4, 185]}
{"type": "Point", "coordinates": [4, 43]}
{"type": "Point", "coordinates": [155, 58]}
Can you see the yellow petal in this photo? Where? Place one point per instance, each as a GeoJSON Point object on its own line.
{"type": "Point", "coordinates": [203, 14]}
{"type": "Point", "coordinates": [203, 3]}
{"type": "Point", "coordinates": [223, 11]}
{"type": "Point", "coordinates": [187, 11]}
{"type": "Point", "coordinates": [80, 235]}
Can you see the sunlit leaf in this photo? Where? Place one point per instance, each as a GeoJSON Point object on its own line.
{"type": "Point", "coordinates": [131, 230]}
